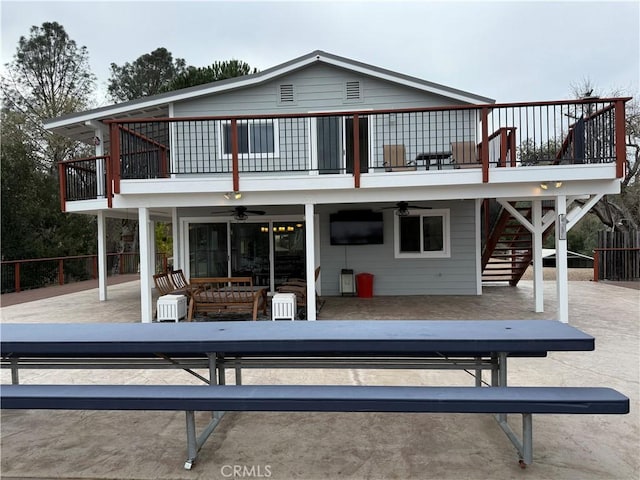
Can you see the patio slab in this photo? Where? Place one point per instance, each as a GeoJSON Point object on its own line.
{"type": "Point", "coordinates": [150, 445]}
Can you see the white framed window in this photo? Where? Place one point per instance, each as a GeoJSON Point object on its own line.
{"type": "Point", "coordinates": [422, 234]}
{"type": "Point", "coordinates": [256, 138]}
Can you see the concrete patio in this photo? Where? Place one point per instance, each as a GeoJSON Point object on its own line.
{"type": "Point", "coordinates": [151, 445]}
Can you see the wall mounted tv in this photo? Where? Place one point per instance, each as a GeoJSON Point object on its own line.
{"type": "Point", "coordinates": [356, 227]}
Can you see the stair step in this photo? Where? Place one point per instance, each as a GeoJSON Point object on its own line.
{"type": "Point", "coordinates": [494, 265]}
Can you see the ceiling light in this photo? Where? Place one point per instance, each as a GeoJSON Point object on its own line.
{"type": "Point", "coordinates": [232, 195]}
{"type": "Point", "coordinates": [544, 186]}
{"type": "Point", "coordinates": [558, 184]}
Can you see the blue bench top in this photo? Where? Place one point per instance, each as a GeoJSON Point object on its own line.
{"type": "Point", "coordinates": [331, 337]}
{"type": "Point", "coordinates": [321, 398]}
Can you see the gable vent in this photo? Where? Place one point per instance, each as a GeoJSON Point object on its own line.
{"type": "Point", "coordinates": [287, 94]}
{"type": "Point", "coordinates": [352, 91]}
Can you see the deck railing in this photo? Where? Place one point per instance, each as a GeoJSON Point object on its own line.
{"type": "Point", "coordinates": [27, 274]}
{"type": "Point", "coordinates": [482, 136]}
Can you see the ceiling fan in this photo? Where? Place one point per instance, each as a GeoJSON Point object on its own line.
{"type": "Point", "coordinates": [240, 213]}
{"type": "Point", "coordinates": [402, 208]}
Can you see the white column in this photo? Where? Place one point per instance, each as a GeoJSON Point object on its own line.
{"type": "Point", "coordinates": [562, 278]}
{"type": "Point", "coordinates": [175, 233]}
{"type": "Point", "coordinates": [309, 224]}
{"type": "Point", "coordinates": [538, 279]}
{"type": "Point", "coordinates": [146, 275]}
{"type": "Point", "coordinates": [102, 256]}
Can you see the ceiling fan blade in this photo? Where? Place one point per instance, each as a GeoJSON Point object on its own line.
{"type": "Point", "coordinates": [405, 206]}
{"type": "Point", "coordinates": [256, 212]}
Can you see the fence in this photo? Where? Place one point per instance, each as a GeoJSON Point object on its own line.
{"type": "Point", "coordinates": [617, 256]}
{"type": "Point", "coordinates": [17, 275]}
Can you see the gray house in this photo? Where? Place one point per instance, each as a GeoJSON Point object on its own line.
{"type": "Point", "coordinates": [326, 161]}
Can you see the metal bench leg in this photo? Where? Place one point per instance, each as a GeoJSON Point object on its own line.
{"type": "Point", "coordinates": [238, 376]}
{"type": "Point", "coordinates": [15, 380]}
{"type": "Point", "coordinates": [502, 379]}
{"type": "Point", "coordinates": [213, 380]}
{"type": "Point", "coordinates": [192, 443]}
{"type": "Point", "coordinates": [527, 440]}
{"type": "Point", "coordinates": [195, 442]}
{"type": "Point", "coordinates": [524, 447]}
{"type": "Point", "coordinates": [494, 370]}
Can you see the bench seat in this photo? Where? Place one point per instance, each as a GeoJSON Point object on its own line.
{"type": "Point", "coordinates": [317, 398]}
{"type": "Point", "coordinates": [320, 398]}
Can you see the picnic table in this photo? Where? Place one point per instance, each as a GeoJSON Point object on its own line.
{"type": "Point", "coordinates": [475, 345]}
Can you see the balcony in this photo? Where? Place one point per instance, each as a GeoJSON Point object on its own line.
{"type": "Point", "coordinates": [492, 140]}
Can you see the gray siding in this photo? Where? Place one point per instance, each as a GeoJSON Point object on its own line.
{"type": "Point", "coordinates": [317, 88]}
{"type": "Point", "coordinates": [438, 276]}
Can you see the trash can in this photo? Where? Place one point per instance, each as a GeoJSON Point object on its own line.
{"type": "Point", "coordinates": [364, 281]}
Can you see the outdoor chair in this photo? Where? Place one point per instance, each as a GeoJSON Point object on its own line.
{"type": "Point", "coordinates": [394, 159]}
{"type": "Point", "coordinates": [464, 155]}
{"type": "Point", "coordinates": [163, 284]}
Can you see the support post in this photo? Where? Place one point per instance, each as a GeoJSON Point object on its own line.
{"type": "Point", "coordinates": [175, 233]}
{"type": "Point", "coordinates": [311, 260]}
{"type": "Point", "coordinates": [562, 278]}
{"type": "Point", "coordinates": [146, 307]}
{"type": "Point", "coordinates": [102, 256]}
{"type": "Point", "coordinates": [538, 279]}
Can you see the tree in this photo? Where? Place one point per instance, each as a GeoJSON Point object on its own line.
{"type": "Point", "coordinates": [213, 73]}
{"type": "Point", "coordinates": [48, 77]}
{"type": "Point", "coordinates": [621, 212]}
{"type": "Point", "coordinates": [149, 74]}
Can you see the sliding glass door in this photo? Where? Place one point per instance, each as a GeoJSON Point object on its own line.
{"type": "Point", "coordinates": [248, 249]}
{"type": "Point", "coordinates": [208, 252]}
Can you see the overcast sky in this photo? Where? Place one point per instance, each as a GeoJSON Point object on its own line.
{"type": "Point", "coordinates": [509, 51]}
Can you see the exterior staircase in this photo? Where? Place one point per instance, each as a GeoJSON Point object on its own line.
{"type": "Point", "coordinates": [508, 251]}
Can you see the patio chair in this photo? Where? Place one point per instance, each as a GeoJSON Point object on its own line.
{"type": "Point", "coordinates": [179, 280]}
{"type": "Point", "coordinates": [163, 284]}
{"type": "Point", "coordinates": [464, 155]}
{"type": "Point", "coordinates": [394, 159]}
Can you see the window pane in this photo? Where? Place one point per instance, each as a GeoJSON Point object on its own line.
{"type": "Point", "coordinates": [262, 138]}
{"type": "Point", "coordinates": [433, 234]}
{"type": "Point", "coordinates": [243, 138]}
{"type": "Point", "coordinates": [409, 234]}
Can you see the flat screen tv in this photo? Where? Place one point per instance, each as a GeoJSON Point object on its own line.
{"type": "Point", "coordinates": [356, 227]}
